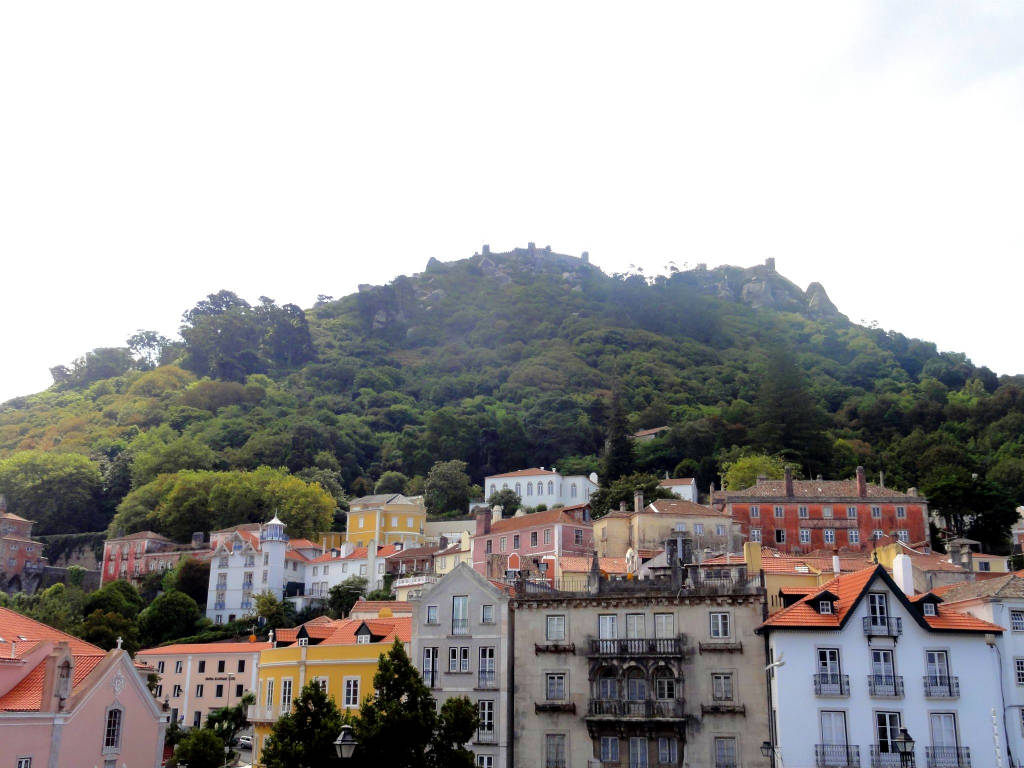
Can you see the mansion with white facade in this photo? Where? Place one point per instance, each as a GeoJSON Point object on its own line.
{"type": "Point", "coordinates": [543, 486]}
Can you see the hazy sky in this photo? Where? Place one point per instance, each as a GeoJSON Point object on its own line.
{"type": "Point", "coordinates": [153, 153]}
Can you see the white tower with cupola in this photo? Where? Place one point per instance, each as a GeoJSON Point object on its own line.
{"type": "Point", "coordinates": [274, 546]}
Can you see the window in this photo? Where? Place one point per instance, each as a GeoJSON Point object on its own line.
{"type": "Point", "coordinates": [984, 565]}
{"type": "Point", "coordinates": [26, 762]}
{"type": "Point", "coordinates": [826, 512]}
{"type": "Point", "coordinates": [719, 530]}
{"type": "Point", "coordinates": [802, 512]}
{"type": "Point", "coordinates": [432, 614]}
{"type": "Point", "coordinates": [664, 685]}
{"type": "Point", "coordinates": [177, 691]}
{"type": "Point", "coordinates": [322, 682]}
{"type": "Point", "coordinates": [112, 731]}
{"type": "Point", "coordinates": [429, 666]}
{"type": "Point", "coordinates": [177, 667]}
{"type": "Point", "coordinates": [1018, 669]}
{"type": "Point", "coordinates": [668, 750]}
{"type": "Point", "coordinates": [394, 521]}
{"type": "Point", "coordinates": [698, 528]}
{"type": "Point", "coordinates": [755, 535]}
{"type": "Point", "coordinates": [515, 541]}
{"type": "Point", "coordinates": [664, 625]}
{"type": "Point", "coordinates": [928, 609]}
{"type": "Point", "coordinates": [853, 536]}
{"type": "Point", "coordinates": [460, 614]}
{"type": "Point", "coordinates": [351, 692]}
{"type": "Point", "coordinates": [238, 691]}
{"type": "Point", "coordinates": [286, 694]}
{"type": "Point", "coordinates": [547, 535]}
{"type": "Point", "coordinates": [529, 489]}
{"type": "Point", "coordinates": [222, 561]}
{"type": "Point", "coordinates": [554, 750]}
{"type": "Point", "coordinates": [551, 486]}
{"type": "Point", "coordinates": [270, 693]}
{"type": "Point", "coordinates": [197, 718]}
{"type": "Point", "coordinates": [488, 546]}
{"type": "Point", "coordinates": [887, 729]}
{"type": "Point", "coordinates": [202, 666]}
{"type": "Point", "coordinates": [720, 625]}
{"type": "Point", "coordinates": [533, 538]}
{"type": "Point", "coordinates": [877, 534]}
{"type": "Point", "coordinates": [780, 511]}
{"type": "Point", "coordinates": [486, 712]}
{"type": "Point", "coordinates": [608, 686]}
{"type": "Point", "coordinates": [755, 511]}
{"type": "Point", "coordinates": [486, 667]}
{"type": "Point", "coordinates": [637, 752]}
{"type": "Point", "coordinates": [725, 752]}
{"type": "Point", "coordinates": [876, 512]}
{"type": "Point", "coordinates": [160, 667]}
{"type": "Point", "coordinates": [721, 686]}
{"type": "Point", "coordinates": [220, 666]}
{"type": "Point", "coordinates": [577, 536]}
{"type": "Point", "coordinates": [502, 542]}
{"type": "Point", "coordinates": [635, 625]}
{"type": "Point", "coordinates": [780, 535]}
{"type": "Point", "coordinates": [824, 606]}
{"type": "Point", "coordinates": [159, 691]}
{"type": "Point", "coordinates": [904, 535]}
{"type": "Point", "coordinates": [1017, 621]}
{"type": "Point", "coordinates": [901, 512]}
{"type": "Point", "coordinates": [830, 535]}
{"type": "Point", "coordinates": [555, 686]}
{"type": "Point", "coordinates": [359, 522]}
{"type": "Point", "coordinates": [805, 535]}
{"type": "Point", "coordinates": [610, 749]}
{"type": "Point", "coordinates": [219, 691]}
{"type": "Point", "coordinates": [485, 761]}
{"type": "Point", "coordinates": [199, 691]}
{"type": "Point", "coordinates": [363, 639]}
{"type": "Point", "coordinates": [241, 665]}
{"type": "Point", "coordinates": [555, 631]}
{"type": "Point", "coordinates": [486, 614]}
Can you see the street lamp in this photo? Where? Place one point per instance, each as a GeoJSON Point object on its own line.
{"type": "Point", "coordinates": [904, 746]}
{"type": "Point", "coordinates": [766, 749]}
{"type": "Point", "coordinates": [227, 751]}
{"type": "Point", "coordinates": [346, 742]}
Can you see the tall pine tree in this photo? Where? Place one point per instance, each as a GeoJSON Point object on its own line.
{"type": "Point", "coordinates": [619, 458]}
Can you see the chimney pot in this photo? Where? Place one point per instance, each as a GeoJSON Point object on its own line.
{"type": "Point", "coordinates": [862, 485]}
{"type": "Point", "coordinates": [789, 482]}
{"type": "Point", "coordinates": [638, 500]}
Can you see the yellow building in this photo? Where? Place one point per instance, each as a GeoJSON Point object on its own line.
{"type": "Point", "coordinates": [341, 655]}
{"type": "Point", "coordinates": [645, 529]}
{"type": "Point", "coordinates": [447, 559]}
{"type": "Point", "coordinates": [387, 519]}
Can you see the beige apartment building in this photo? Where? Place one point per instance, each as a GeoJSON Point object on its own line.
{"type": "Point", "coordinates": [644, 528]}
{"type": "Point", "coordinates": [197, 678]}
{"type": "Point", "coordinates": [641, 672]}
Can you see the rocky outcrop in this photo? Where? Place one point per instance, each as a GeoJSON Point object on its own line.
{"type": "Point", "coordinates": [819, 305]}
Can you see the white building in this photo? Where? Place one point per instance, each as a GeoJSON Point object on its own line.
{"type": "Point", "coordinates": [331, 568]}
{"type": "Point", "coordinates": [543, 486]}
{"type": "Point", "coordinates": [460, 641]}
{"type": "Point", "coordinates": [683, 487]}
{"type": "Point", "coordinates": [1000, 601]}
{"type": "Point", "coordinates": [858, 661]}
{"type": "Point", "coordinates": [250, 559]}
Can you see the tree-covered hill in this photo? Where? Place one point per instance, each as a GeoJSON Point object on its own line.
{"type": "Point", "coordinates": [509, 360]}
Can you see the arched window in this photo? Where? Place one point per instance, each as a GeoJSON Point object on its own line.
{"type": "Point", "coordinates": [494, 489]}
{"type": "Point", "coordinates": [551, 488]}
{"type": "Point", "coordinates": [664, 684]}
{"type": "Point", "coordinates": [636, 685]}
{"type": "Point", "coordinates": [112, 730]}
{"type": "Point", "coordinates": [529, 489]}
{"type": "Point", "coordinates": [572, 490]}
{"type": "Point", "coordinates": [504, 486]}
{"type": "Point", "coordinates": [519, 490]}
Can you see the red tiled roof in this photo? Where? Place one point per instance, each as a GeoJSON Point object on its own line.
{"type": "Point", "coordinates": [228, 647]}
{"type": "Point", "coordinates": [547, 517]}
{"type": "Point", "coordinates": [291, 555]}
{"type": "Point", "coordinates": [523, 472]}
{"type": "Point", "coordinates": [303, 544]}
{"type": "Point", "coordinates": [844, 489]}
{"type": "Point", "coordinates": [849, 589]}
{"type": "Point", "coordinates": [12, 516]}
{"type": "Point", "coordinates": [396, 606]}
{"type": "Point", "coordinates": [387, 629]}
{"type": "Point", "coordinates": [27, 695]}
{"type": "Point", "coordinates": [414, 552]}
{"type": "Point", "coordinates": [575, 564]}
{"type": "Point", "coordinates": [677, 481]}
{"type": "Point", "coordinates": [683, 507]}
{"type": "Point", "coordinates": [14, 626]}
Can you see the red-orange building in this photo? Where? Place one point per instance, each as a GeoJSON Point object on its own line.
{"type": "Point", "coordinates": [804, 515]}
{"type": "Point", "coordinates": [17, 547]}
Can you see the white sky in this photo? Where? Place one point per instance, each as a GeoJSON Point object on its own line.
{"type": "Point", "coordinates": [153, 153]}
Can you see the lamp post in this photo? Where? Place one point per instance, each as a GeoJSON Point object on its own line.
{"type": "Point", "coordinates": [904, 746]}
{"type": "Point", "coordinates": [346, 742]}
{"type": "Point", "coordinates": [227, 751]}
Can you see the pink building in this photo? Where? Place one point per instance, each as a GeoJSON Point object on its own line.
{"type": "Point", "coordinates": [531, 544]}
{"type": "Point", "coordinates": [197, 678]}
{"type": "Point", "coordinates": [17, 547]}
{"type": "Point", "coordinates": [65, 703]}
{"type": "Point", "coordinates": [133, 556]}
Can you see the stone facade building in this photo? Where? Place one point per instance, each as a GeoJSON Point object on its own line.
{"type": "Point", "coordinates": [662, 671]}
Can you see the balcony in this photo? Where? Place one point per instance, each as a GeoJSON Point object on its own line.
{"type": "Point", "coordinates": [948, 757]}
{"type": "Point", "coordinates": [829, 684]}
{"type": "Point", "coordinates": [645, 709]}
{"type": "Point", "coordinates": [486, 735]}
{"type": "Point", "coordinates": [486, 678]}
{"type": "Point", "coordinates": [942, 687]}
{"type": "Point", "coordinates": [633, 646]}
{"type": "Point", "coordinates": [884, 759]}
{"type": "Point", "coordinates": [460, 626]}
{"type": "Point", "coordinates": [836, 756]}
{"type": "Point", "coordinates": [875, 626]}
{"type": "Point", "coordinates": [886, 686]}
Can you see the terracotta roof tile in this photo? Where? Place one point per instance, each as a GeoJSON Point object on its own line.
{"type": "Point", "coordinates": [575, 564]}
{"type": "Point", "coordinates": [547, 517]}
{"type": "Point", "coordinates": [396, 606]}
{"type": "Point", "coordinates": [387, 629]}
{"type": "Point", "coordinates": [303, 544]}
{"type": "Point", "coordinates": [27, 695]}
{"type": "Point", "coordinates": [184, 648]}
{"type": "Point", "coordinates": [523, 472]}
{"type": "Point", "coordinates": [844, 489]}
{"type": "Point", "coordinates": [683, 507]}
{"type": "Point", "coordinates": [677, 481]}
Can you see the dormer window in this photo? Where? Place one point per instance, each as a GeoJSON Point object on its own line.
{"type": "Point", "coordinates": [928, 609]}
{"type": "Point", "coordinates": [824, 607]}
{"type": "Point", "coordinates": [363, 639]}
{"type": "Point", "coordinates": [303, 642]}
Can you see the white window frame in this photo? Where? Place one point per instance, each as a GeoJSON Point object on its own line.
{"type": "Point", "coordinates": [805, 535]}
{"type": "Point", "coordinates": [755, 510]}
{"type": "Point", "coordinates": [755, 535]}
{"type": "Point", "coordinates": [719, 621]}
{"type": "Point", "coordinates": [609, 749]}
{"type": "Point", "coordinates": [559, 624]}
{"type": "Point", "coordinates": [350, 692]}
{"type": "Point", "coordinates": [1016, 620]}
{"type": "Point", "coordinates": [555, 686]}
{"type": "Point", "coordinates": [853, 535]}
{"type": "Point", "coordinates": [286, 694]}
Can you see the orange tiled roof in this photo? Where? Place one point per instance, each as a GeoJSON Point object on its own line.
{"type": "Point", "coordinates": [28, 633]}
{"type": "Point", "coordinates": [303, 544]}
{"type": "Point", "coordinates": [547, 517]}
{"type": "Point", "coordinates": [386, 629]}
{"type": "Point", "coordinates": [292, 555]}
{"type": "Point", "coordinates": [523, 472]}
{"type": "Point", "coordinates": [12, 516]}
{"type": "Point", "coordinates": [849, 589]}
{"type": "Point", "coordinates": [396, 606]}
{"type": "Point", "coordinates": [677, 481]}
{"type": "Point", "coordinates": [575, 564]}
{"type": "Point", "coordinates": [809, 489]}
{"type": "Point", "coordinates": [683, 507]}
{"type": "Point", "coordinates": [27, 695]}
{"type": "Point", "coordinates": [229, 647]}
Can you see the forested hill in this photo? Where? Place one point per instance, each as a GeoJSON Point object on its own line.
{"type": "Point", "coordinates": [511, 360]}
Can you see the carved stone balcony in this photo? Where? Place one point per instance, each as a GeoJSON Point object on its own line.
{"type": "Point", "coordinates": [644, 709]}
{"type": "Point", "coordinates": [637, 646]}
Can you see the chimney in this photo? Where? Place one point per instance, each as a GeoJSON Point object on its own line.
{"type": "Point", "coordinates": [638, 500]}
{"type": "Point", "coordinates": [836, 569]}
{"type": "Point", "coordinates": [197, 539]}
{"type": "Point", "coordinates": [483, 522]}
{"type": "Point", "coordinates": [789, 482]}
{"type": "Point", "coordinates": [752, 556]}
{"type": "Point", "coordinates": [903, 573]}
{"type": "Point", "coordinates": [911, 491]}
{"type": "Point", "coordinates": [442, 542]}
{"type": "Point", "coordinates": [622, 506]}
{"type": "Point", "coordinates": [954, 552]}
{"type": "Point", "coordinates": [881, 479]}
{"type": "Point", "coordinates": [862, 485]}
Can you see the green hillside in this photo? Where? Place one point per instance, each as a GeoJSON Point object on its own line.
{"type": "Point", "coordinates": [511, 360]}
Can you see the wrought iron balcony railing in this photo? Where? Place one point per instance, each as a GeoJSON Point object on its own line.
{"type": "Point", "coordinates": [638, 709]}
{"type": "Point", "coordinates": [885, 757]}
{"type": "Point", "coordinates": [948, 757]}
{"type": "Point", "coordinates": [941, 687]}
{"type": "Point", "coordinates": [460, 626]}
{"type": "Point", "coordinates": [885, 686]}
{"type": "Point", "coordinates": [829, 684]}
{"type": "Point", "coordinates": [837, 756]}
{"type": "Point", "coordinates": [875, 626]}
{"type": "Point", "coordinates": [486, 678]}
{"type": "Point", "coordinates": [637, 646]}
